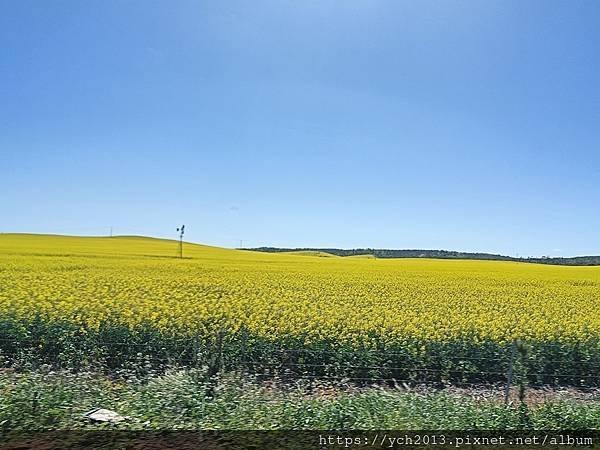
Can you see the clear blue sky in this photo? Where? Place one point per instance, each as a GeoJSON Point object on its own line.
{"type": "Point", "coordinates": [458, 125]}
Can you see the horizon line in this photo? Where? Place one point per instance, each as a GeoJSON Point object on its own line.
{"type": "Point", "coordinates": [298, 248]}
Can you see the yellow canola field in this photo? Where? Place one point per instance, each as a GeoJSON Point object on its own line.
{"type": "Point", "coordinates": [137, 282]}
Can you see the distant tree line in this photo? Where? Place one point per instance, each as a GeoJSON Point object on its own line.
{"type": "Point", "coordinates": [439, 254]}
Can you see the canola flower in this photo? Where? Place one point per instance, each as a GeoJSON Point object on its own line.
{"type": "Point", "coordinates": [138, 283]}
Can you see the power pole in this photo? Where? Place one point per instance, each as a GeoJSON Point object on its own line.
{"type": "Point", "coordinates": [181, 231]}
{"type": "Point", "coordinates": [110, 231]}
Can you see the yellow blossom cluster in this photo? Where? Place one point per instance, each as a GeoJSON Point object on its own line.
{"type": "Point", "coordinates": [139, 282]}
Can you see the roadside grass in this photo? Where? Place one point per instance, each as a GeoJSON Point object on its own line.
{"type": "Point", "coordinates": [193, 399]}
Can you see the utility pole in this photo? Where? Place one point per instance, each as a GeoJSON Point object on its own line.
{"type": "Point", "coordinates": [241, 243]}
{"type": "Point", "coordinates": [110, 231]}
{"type": "Point", "coordinates": [181, 231]}
{"type": "Point", "coordinates": [509, 375]}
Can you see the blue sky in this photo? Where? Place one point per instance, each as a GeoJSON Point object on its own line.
{"type": "Point", "coordinates": [457, 125]}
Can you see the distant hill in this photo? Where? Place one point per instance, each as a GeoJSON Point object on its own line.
{"type": "Point", "coordinates": [436, 254]}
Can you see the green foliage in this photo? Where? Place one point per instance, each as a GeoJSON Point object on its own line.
{"type": "Point", "coordinates": [194, 400]}
{"type": "Point", "coordinates": [113, 349]}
